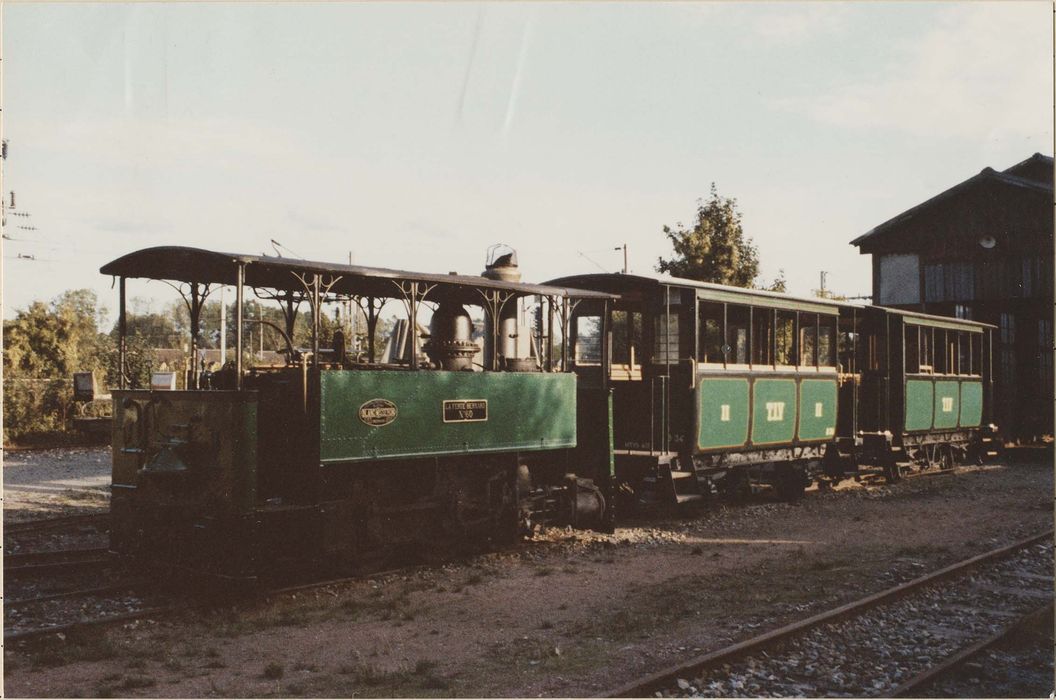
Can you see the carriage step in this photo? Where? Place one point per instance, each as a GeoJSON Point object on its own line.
{"type": "Point", "coordinates": [992, 453]}
{"type": "Point", "coordinates": [688, 497]}
{"type": "Point", "coordinates": [682, 475]}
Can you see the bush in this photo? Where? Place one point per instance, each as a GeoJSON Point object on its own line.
{"type": "Point", "coordinates": [36, 407]}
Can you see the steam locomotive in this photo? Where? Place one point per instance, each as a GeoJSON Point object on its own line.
{"type": "Point", "coordinates": [499, 406]}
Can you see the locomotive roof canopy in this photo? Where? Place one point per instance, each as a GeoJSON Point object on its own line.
{"type": "Point", "coordinates": [183, 264]}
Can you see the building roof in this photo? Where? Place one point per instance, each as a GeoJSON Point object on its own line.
{"type": "Point", "coordinates": [1028, 175]}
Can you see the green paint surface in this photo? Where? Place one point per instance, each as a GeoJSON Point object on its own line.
{"type": "Point", "coordinates": [817, 409]}
{"type": "Point", "coordinates": [774, 415]}
{"type": "Point", "coordinates": [723, 413]}
{"type": "Point", "coordinates": [947, 403]}
{"type": "Point", "coordinates": [526, 411]}
{"type": "Point", "coordinates": [919, 404]}
{"type": "Point", "coordinates": [971, 404]}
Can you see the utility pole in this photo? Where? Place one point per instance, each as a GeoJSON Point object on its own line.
{"type": "Point", "coordinates": [223, 329]}
{"type": "Point", "coordinates": [822, 289]}
{"type": "Point", "coordinates": [624, 249]}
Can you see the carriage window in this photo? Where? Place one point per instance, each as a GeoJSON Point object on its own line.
{"type": "Point", "coordinates": [710, 325]}
{"type": "Point", "coordinates": [785, 336]}
{"type": "Point", "coordinates": [737, 321]}
{"type": "Point", "coordinates": [626, 337]}
{"type": "Point", "coordinates": [665, 346]}
{"type": "Point", "coordinates": [762, 337]}
{"type": "Point", "coordinates": [912, 349]}
{"type": "Point", "coordinates": [808, 338]}
{"type": "Point", "coordinates": [588, 340]}
{"type": "Point", "coordinates": [827, 341]}
{"type": "Point", "coordinates": [951, 352]}
{"type": "Point", "coordinates": [941, 363]}
{"type": "Point", "coordinates": [976, 341]}
{"type": "Point", "coordinates": [927, 350]}
{"type": "Point", "coordinates": [964, 357]}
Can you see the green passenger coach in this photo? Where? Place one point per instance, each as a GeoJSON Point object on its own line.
{"type": "Point", "coordinates": [715, 388]}
{"type": "Point", "coordinates": [921, 386]}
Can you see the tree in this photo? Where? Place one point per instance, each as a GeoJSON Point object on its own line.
{"type": "Point", "coordinates": [52, 341]}
{"type": "Point", "coordinates": [715, 249]}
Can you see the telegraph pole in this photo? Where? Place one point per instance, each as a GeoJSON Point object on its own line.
{"type": "Point", "coordinates": [624, 249]}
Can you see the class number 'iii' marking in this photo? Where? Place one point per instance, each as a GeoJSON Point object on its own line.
{"type": "Point", "coordinates": [724, 413]}
{"type": "Point", "coordinates": [466, 411]}
{"type": "Point", "coordinates": [819, 409]}
{"type": "Point", "coordinates": [775, 411]}
{"type": "Point", "coordinates": [947, 404]}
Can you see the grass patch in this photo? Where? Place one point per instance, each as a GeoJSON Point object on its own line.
{"type": "Point", "coordinates": [273, 670]}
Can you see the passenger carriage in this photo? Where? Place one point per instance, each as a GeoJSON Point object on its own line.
{"type": "Point", "coordinates": [714, 387]}
{"type": "Point", "coordinates": [921, 388]}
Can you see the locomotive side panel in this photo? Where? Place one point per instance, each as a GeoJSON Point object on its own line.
{"type": "Point", "coordinates": [370, 415]}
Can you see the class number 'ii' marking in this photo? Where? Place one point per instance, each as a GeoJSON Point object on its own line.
{"type": "Point", "coordinates": [466, 411]}
{"type": "Point", "coordinates": [947, 404]}
{"type": "Point", "coordinates": [775, 411]}
{"type": "Point", "coordinates": [724, 413]}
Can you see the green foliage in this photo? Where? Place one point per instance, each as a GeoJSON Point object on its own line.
{"type": "Point", "coordinates": [52, 341]}
{"type": "Point", "coordinates": [715, 249]}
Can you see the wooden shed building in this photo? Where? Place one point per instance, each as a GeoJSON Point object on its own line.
{"type": "Point", "coordinates": [983, 250]}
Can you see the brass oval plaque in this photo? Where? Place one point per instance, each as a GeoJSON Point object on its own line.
{"type": "Point", "coordinates": [378, 412]}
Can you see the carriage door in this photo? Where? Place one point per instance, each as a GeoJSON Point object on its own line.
{"type": "Point", "coordinates": [630, 391]}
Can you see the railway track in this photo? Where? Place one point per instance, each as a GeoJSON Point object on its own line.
{"type": "Point", "coordinates": [91, 519]}
{"type": "Point", "coordinates": [872, 646]}
{"type": "Point", "coordinates": [59, 562]}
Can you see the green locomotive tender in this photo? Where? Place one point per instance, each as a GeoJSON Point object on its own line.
{"type": "Point", "coordinates": [340, 453]}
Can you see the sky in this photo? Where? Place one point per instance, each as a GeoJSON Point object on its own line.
{"type": "Point", "coordinates": [413, 136]}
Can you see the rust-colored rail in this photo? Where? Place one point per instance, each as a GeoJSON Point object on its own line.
{"type": "Point", "coordinates": [662, 679]}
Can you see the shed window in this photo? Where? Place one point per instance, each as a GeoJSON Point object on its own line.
{"type": "Point", "coordinates": [762, 336]}
{"type": "Point", "coordinates": [710, 349]}
{"type": "Point", "coordinates": [738, 319]}
{"type": "Point", "coordinates": [785, 337]}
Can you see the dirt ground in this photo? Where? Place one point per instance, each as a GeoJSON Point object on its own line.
{"type": "Point", "coordinates": [569, 614]}
{"type": "Point", "coordinates": [51, 483]}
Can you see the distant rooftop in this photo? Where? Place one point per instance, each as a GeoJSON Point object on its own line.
{"type": "Point", "coordinates": [1034, 173]}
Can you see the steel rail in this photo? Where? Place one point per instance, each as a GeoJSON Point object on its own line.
{"type": "Point", "coordinates": [911, 687]}
{"type": "Point", "coordinates": [51, 523]}
{"type": "Point", "coordinates": [121, 585]}
{"type": "Point", "coordinates": [85, 622]}
{"type": "Point", "coordinates": [661, 679]}
{"type": "Point", "coordinates": [56, 556]}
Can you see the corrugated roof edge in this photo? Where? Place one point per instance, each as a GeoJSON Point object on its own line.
{"type": "Point", "coordinates": [935, 317]}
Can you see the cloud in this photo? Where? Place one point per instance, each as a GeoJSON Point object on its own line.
{"type": "Point", "coordinates": [983, 72]}
{"type": "Point", "coordinates": [786, 24]}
